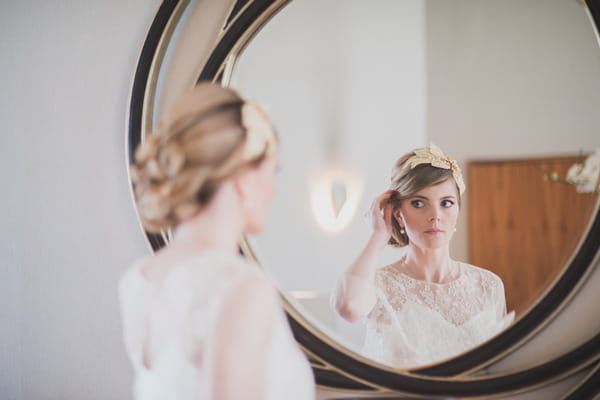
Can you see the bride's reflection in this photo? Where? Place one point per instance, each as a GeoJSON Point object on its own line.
{"type": "Point", "coordinates": [425, 307]}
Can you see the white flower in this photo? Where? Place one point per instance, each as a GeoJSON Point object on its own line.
{"type": "Point", "coordinates": [573, 174]}
{"type": "Point", "coordinates": [585, 176]}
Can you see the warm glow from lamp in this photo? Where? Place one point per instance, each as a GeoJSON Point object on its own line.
{"type": "Point", "coordinates": [334, 197]}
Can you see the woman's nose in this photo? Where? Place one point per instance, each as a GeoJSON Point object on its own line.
{"type": "Point", "coordinates": [435, 215]}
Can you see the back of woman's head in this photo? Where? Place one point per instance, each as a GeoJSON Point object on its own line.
{"type": "Point", "coordinates": [208, 136]}
{"type": "Point", "coordinates": [414, 172]}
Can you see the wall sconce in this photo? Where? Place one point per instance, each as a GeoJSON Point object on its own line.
{"type": "Point", "coordinates": [334, 197]}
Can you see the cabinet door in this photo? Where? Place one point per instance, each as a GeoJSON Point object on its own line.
{"type": "Point", "coordinates": [522, 226]}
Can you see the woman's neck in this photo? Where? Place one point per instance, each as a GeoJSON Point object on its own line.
{"type": "Point", "coordinates": [431, 265]}
{"type": "Point", "coordinates": [217, 227]}
{"type": "Point", "coordinates": [199, 234]}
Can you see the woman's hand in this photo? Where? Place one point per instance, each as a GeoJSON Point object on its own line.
{"type": "Point", "coordinates": [380, 214]}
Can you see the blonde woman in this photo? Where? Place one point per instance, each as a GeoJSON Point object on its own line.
{"type": "Point", "coordinates": [425, 307]}
{"type": "Point", "coordinates": [200, 321]}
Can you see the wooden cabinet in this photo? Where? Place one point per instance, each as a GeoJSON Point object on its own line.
{"type": "Point", "coordinates": [522, 226]}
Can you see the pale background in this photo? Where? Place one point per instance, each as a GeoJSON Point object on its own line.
{"type": "Point", "coordinates": [68, 226]}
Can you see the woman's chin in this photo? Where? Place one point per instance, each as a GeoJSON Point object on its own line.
{"type": "Point", "coordinates": [434, 243]}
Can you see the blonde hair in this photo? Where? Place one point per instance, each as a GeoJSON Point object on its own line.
{"type": "Point", "coordinates": [406, 181]}
{"type": "Point", "coordinates": [200, 143]}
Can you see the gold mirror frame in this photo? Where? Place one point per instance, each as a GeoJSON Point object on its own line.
{"type": "Point", "coordinates": [335, 366]}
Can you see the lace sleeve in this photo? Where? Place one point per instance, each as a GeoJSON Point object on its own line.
{"type": "Point", "coordinates": [385, 306]}
{"type": "Point", "coordinates": [502, 316]}
{"type": "Point", "coordinates": [500, 299]}
{"type": "Point", "coordinates": [353, 298]}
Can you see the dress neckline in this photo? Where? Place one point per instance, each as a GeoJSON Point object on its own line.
{"type": "Point", "coordinates": [458, 278]}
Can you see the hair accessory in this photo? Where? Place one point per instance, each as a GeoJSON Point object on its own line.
{"type": "Point", "coordinates": [436, 157]}
{"type": "Point", "coordinates": [260, 135]}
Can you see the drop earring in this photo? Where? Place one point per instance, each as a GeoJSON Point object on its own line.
{"type": "Point", "coordinates": [402, 231]}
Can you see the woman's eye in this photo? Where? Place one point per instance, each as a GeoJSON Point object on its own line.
{"type": "Point", "coordinates": [447, 203]}
{"type": "Point", "coordinates": [417, 203]}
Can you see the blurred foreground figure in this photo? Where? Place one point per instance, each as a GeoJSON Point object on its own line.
{"type": "Point", "coordinates": [200, 321]}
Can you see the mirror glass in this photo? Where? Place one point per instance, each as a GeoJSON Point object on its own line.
{"type": "Point", "coordinates": [510, 89]}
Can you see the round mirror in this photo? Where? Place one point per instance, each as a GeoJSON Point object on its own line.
{"type": "Point", "coordinates": [509, 89]}
{"type": "Point", "coordinates": [363, 86]}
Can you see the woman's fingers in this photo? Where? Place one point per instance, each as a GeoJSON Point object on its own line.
{"type": "Point", "coordinates": [381, 211]}
{"type": "Point", "coordinates": [382, 199]}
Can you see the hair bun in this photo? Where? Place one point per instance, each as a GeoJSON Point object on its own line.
{"type": "Point", "coordinates": [209, 135]}
{"type": "Point", "coordinates": [171, 159]}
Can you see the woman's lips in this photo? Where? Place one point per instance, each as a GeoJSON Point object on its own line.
{"type": "Point", "coordinates": [433, 231]}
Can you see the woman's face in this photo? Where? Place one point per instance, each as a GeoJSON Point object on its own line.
{"type": "Point", "coordinates": [429, 216]}
{"type": "Point", "coordinates": [260, 197]}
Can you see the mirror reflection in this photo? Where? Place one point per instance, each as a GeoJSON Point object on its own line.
{"type": "Point", "coordinates": [424, 307]}
{"type": "Point", "coordinates": [507, 89]}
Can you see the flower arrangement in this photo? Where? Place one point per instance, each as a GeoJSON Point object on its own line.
{"type": "Point", "coordinates": [585, 175]}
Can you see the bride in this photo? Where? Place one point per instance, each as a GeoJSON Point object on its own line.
{"type": "Point", "coordinates": [200, 321]}
{"type": "Point", "coordinates": [425, 307]}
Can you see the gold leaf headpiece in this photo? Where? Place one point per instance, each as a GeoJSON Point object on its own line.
{"type": "Point", "coordinates": [260, 135]}
{"type": "Point", "coordinates": [436, 157]}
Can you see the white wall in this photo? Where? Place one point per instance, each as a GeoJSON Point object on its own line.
{"type": "Point", "coordinates": [68, 225]}
{"type": "Point", "coordinates": [510, 79]}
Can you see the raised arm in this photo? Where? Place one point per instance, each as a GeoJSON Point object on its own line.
{"type": "Point", "coordinates": [354, 296]}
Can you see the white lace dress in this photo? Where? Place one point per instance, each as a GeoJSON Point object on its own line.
{"type": "Point", "coordinates": [182, 311]}
{"type": "Point", "coordinates": [415, 323]}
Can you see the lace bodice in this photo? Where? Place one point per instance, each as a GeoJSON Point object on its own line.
{"type": "Point", "coordinates": [415, 322]}
{"type": "Point", "coordinates": [180, 313]}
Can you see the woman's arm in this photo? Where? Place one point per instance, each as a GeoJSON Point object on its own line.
{"type": "Point", "coordinates": [243, 332]}
{"type": "Point", "coordinates": [355, 296]}
{"type": "Point", "coordinates": [502, 316]}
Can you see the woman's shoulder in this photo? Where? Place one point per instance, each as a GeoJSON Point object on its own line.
{"type": "Point", "coordinates": [386, 269]}
{"type": "Point", "coordinates": [386, 272]}
{"type": "Point", "coordinates": [390, 279]}
{"type": "Point", "coordinates": [131, 277]}
{"type": "Point", "coordinates": [213, 272]}
{"type": "Point", "coordinates": [169, 270]}
{"type": "Point", "coordinates": [482, 275]}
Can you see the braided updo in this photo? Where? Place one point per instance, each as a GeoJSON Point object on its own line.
{"type": "Point", "coordinates": [209, 135]}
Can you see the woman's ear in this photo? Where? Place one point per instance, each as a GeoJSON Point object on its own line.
{"type": "Point", "coordinates": [243, 184]}
{"type": "Point", "coordinates": [398, 216]}
{"type": "Point", "coordinates": [240, 185]}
